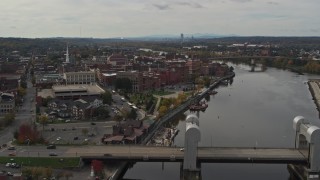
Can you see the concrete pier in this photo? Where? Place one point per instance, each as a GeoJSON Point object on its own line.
{"type": "Point", "coordinates": [190, 175]}
{"type": "Point", "coordinates": [298, 172]}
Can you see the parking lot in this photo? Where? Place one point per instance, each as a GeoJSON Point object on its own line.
{"type": "Point", "coordinates": [77, 133]}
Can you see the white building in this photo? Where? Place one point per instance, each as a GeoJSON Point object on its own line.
{"type": "Point", "coordinates": [83, 77]}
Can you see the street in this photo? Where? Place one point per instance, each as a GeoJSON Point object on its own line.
{"type": "Point", "coordinates": [25, 113]}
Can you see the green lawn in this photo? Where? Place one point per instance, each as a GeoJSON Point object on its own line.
{"type": "Point", "coordinates": [162, 93]}
{"type": "Point", "coordinates": [53, 162]}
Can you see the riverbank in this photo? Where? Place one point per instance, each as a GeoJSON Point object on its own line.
{"type": "Point", "coordinates": [314, 87]}
{"type": "Point", "coordinates": [167, 117]}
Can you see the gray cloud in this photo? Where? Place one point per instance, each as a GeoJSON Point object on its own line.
{"type": "Point", "coordinates": [314, 30]}
{"type": "Point", "coordinates": [241, 1]}
{"type": "Point", "coordinates": [162, 6]}
{"type": "Point", "coordinates": [190, 4]}
{"type": "Point", "coordinates": [273, 3]}
{"type": "Point", "coordinates": [110, 18]}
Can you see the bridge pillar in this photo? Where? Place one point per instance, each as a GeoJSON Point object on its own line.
{"type": "Point", "coordinates": [308, 139]}
{"type": "Point", "coordinates": [192, 137]}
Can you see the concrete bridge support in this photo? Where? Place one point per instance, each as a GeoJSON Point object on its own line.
{"type": "Point", "coordinates": [307, 137]}
{"type": "Point", "coordinates": [191, 169]}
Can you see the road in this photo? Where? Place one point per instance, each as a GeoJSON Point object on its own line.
{"type": "Point", "coordinates": [205, 154]}
{"type": "Point", "coordinates": [122, 105]}
{"type": "Point", "coordinates": [25, 114]}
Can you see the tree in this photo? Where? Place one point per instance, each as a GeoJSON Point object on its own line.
{"type": "Point", "coordinates": [9, 118]}
{"type": "Point", "coordinates": [36, 172]}
{"type": "Point", "coordinates": [27, 172]}
{"type": "Point", "coordinates": [206, 81]}
{"type": "Point", "coordinates": [85, 131]}
{"type": "Point", "coordinates": [33, 80]}
{"type": "Point", "coordinates": [59, 175]}
{"type": "Point", "coordinates": [67, 174]}
{"type": "Point", "coordinates": [27, 133]}
{"type": "Point", "coordinates": [107, 97]}
{"type": "Point", "coordinates": [23, 84]}
{"type": "Point", "coordinates": [97, 168]}
{"type": "Point", "coordinates": [117, 118]}
{"type": "Point", "coordinates": [21, 91]}
{"type": "Point", "coordinates": [162, 110]}
{"type": "Point", "coordinates": [43, 119]}
{"type": "Point", "coordinates": [133, 114]}
{"type": "Point", "coordinates": [45, 101]}
{"type": "Point", "coordinates": [16, 134]}
{"type": "Point", "coordinates": [47, 172]}
{"type": "Point", "coordinates": [103, 112]}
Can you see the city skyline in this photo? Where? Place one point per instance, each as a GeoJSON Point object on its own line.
{"type": "Point", "coordinates": [135, 18]}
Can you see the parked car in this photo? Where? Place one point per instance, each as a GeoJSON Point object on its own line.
{"type": "Point", "coordinates": [75, 138]}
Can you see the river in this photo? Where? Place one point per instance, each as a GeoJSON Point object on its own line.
{"type": "Point", "coordinates": [256, 110]}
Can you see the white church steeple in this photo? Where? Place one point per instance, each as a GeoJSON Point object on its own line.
{"type": "Point", "coordinates": [67, 55]}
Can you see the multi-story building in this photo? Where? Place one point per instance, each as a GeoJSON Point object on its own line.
{"type": "Point", "coordinates": [79, 109]}
{"type": "Point", "coordinates": [7, 103]}
{"type": "Point", "coordinates": [71, 91]}
{"type": "Point", "coordinates": [194, 67]}
{"type": "Point", "coordinates": [82, 77]}
{"type": "Point", "coordinates": [135, 78]}
{"type": "Point", "coordinates": [9, 82]}
{"type": "Point", "coordinates": [117, 60]}
{"type": "Point", "coordinates": [150, 80]}
{"type": "Point", "coordinates": [106, 79]}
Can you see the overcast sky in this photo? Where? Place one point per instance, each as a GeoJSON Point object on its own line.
{"type": "Point", "coordinates": [132, 18]}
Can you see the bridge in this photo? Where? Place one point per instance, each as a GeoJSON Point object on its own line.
{"type": "Point", "coordinates": [205, 154]}
{"type": "Point", "coordinates": [303, 160]}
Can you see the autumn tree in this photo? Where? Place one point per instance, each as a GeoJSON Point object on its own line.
{"type": "Point", "coordinates": [162, 110]}
{"type": "Point", "coordinates": [36, 172]}
{"type": "Point", "coordinates": [97, 168]}
{"type": "Point", "coordinates": [21, 91]}
{"type": "Point", "coordinates": [47, 172]}
{"type": "Point", "coordinates": [117, 118]}
{"type": "Point", "coordinates": [43, 119]}
{"type": "Point", "coordinates": [26, 133]}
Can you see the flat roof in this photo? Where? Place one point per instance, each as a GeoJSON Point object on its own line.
{"type": "Point", "coordinates": [90, 89]}
{"type": "Point", "coordinates": [109, 74]}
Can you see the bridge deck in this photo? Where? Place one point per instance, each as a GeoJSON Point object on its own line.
{"type": "Point", "coordinates": [205, 154]}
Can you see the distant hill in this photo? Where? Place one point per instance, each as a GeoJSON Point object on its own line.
{"type": "Point", "coordinates": [177, 36]}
